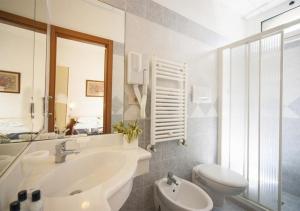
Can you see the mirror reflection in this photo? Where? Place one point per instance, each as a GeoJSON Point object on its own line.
{"type": "Point", "coordinates": [86, 67]}
{"type": "Point", "coordinates": [23, 57]}
{"type": "Point", "coordinates": [22, 75]}
{"type": "Point", "coordinates": [36, 104]}
{"type": "Point", "coordinates": [79, 87]}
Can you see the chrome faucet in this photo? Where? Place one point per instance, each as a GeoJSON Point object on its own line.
{"type": "Point", "coordinates": [171, 179]}
{"type": "Point", "coordinates": [62, 134]}
{"type": "Point", "coordinates": [61, 152]}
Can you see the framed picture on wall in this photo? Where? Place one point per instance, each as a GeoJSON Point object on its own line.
{"type": "Point", "coordinates": [94, 88]}
{"type": "Point", "coordinates": [10, 82]}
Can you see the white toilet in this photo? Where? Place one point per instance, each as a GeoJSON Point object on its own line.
{"type": "Point", "coordinates": [218, 182]}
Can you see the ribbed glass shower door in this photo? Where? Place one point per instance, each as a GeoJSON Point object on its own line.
{"type": "Point", "coordinates": [251, 109]}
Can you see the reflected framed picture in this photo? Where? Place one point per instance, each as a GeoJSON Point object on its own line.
{"type": "Point", "coordinates": [10, 82]}
{"type": "Point", "coordinates": [94, 88]}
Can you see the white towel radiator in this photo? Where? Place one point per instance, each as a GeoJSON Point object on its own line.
{"type": "Point", "coordinates": [168, 101]}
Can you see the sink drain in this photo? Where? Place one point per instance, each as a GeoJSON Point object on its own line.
{"type": "Point", "coordinates": [75, 192]}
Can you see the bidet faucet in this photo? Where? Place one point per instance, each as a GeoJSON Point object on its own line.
{"type": "Point", "coordinates": [61, 152]}
{"type": "Point", "coordinates": [171, 179]}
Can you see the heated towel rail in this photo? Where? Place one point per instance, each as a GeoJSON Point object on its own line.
{"type": "Point", "coordinates": [168, 101]}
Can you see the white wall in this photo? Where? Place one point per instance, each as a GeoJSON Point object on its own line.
{"type": "Point", "coordinates": [85, 62]}
{"type": "Point", "coordinates": [17, 55]}
{"type": "Point", "coordinates": [79, 15]}
{"type": "Point", "coordinates": [211, 14]}
{"type": "Point", "coordinates": [20, 7]}
{"type": "Point", "coordinates": [88, 16]}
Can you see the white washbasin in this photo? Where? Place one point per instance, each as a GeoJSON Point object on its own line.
{"type": "Point", "coordinates": [185, 196]}
{"type": "Point", "coordinates": [95, 180]}
{"type": "Point", "coordinates": [100, 177]}
{"type": "Point", "coordinates": [5, 160]}
{"type": "Point", "coordinates": [78, 175]}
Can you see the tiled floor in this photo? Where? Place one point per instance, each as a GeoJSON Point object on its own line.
{"type": "Point", "coordinates": [229, 206]}
{"type": "Point", "coordinates": [291, 202]}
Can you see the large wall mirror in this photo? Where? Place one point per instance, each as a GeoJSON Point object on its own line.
{"type": "Point", "coordinates": [61, 63]}
{"type": "Point", "coordinates": [23, 49]}
{"type": "Point", "coordinates": [80, 82]}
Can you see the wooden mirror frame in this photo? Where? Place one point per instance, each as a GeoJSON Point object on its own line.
{"type": "Point", "coordinates": [87, 38]}
{"type": "Point", "coordinates": [23, 22]}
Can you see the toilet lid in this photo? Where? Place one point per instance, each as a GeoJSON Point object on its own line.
{"type": "Point", "coordinates": [221, 175]}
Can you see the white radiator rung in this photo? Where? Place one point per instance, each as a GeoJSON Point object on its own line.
{"type": "Point", "coordinates": [170, 78]}
{"type": "Point", "coordinates": [175, 123]}
{"type": "Point", "coordinates": [170, 139]}
{"type": "Point", "coordinates": [169, 132]}
{"type": "Point", "coordinates": [158, 100]}
{"type": "Point", "coordinates": [169, 108]}
{"type": "Point", "coordinates": [170, 66]}
{"type": "Point", "coordinates": [171, 63]}
{"type": "Point", "coordinates": [169, 97]}
{"type": "Point", "coordinates": [169, 135]}
{"type": "Point", "coordinates": [169, 127]}
{"type": "Point", "coordinates": [170, 70]}
{"type": "Point", "coordinates": [170, 105]}
{"type": "Point", "coordinates": [168, 101]}
{"type": "Point", "coordinates": [168, 120]}
{"type": "Point", "coordinates": [170, 93]}
{"type": "Point", "coordinates": [168, 89]}
{"type": "Point", "coordinates": [169, 116]}
{"type": "Point", "coordinates": [169, 112]}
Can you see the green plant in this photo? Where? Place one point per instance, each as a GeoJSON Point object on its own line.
{"type": "Point", "coordinates": [4, 138]}
{"type": "Point", "coordinates": [131, 131]}
{"type": "Point", "coordinates": [119, 127]}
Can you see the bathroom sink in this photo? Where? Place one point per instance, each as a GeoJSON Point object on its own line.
{"type": "Point", "coordinates": [94, 180]}
{"type": "Point", "coordinates": [185, 196]}
{"type": "Point", "coordinates": [100, 177]}
{"type": "Point", "coordinates": [83, 173]}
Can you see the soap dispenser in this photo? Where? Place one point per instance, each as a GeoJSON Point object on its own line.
{"type": "Point", "coordinates": [14, 206]}
{"type": "Point", "coordinates": [22, 198]}
{"type": "Point", "coordinates": [36, 202]}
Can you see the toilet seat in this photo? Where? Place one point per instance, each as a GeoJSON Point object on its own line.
{"type": "Point", "coordinates": [220, 175]}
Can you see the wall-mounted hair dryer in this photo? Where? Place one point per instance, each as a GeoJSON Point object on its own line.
{"type": "Point", "coordinates": [136, 76]}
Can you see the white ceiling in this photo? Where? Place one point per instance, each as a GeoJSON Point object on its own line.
{"type": "Point", "coordinates": [243, 8]}
{"type": "Point", "coordinates": [249, 8]}
{"type": "Point", "coordinates": [226, 17]}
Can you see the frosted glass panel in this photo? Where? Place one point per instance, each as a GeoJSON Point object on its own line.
{"type": "Point", "coordinates": [251, 116]}
{"type": "Point", "coordinates": [254, 87]}
{"type": "Point", "coordinates": [238, 106]}
{"type": "Point", "coordinates": [226, 108]}
{"type": "Point", "coordinates": [269, 118]}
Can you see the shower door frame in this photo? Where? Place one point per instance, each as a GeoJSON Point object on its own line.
{"type": "Point", "coordinates": [257, 37]}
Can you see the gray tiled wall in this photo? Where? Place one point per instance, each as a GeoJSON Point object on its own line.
{"type": "Point", "coordinates": [202, 129]}
{"type": "Point", "coordinates": [171, 157]}
{"type": "Point", "coordinates": [154, 30]}
{"type": "Point", "coordinates": [154, 12]}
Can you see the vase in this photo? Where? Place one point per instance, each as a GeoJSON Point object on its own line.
{"type": "Point", "coordinates": [132, 145]}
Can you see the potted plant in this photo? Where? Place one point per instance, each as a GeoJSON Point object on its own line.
{"type": "Point", "coordinates": [130, 133]}
{"type": "Point", "coordinates": [4, 139]}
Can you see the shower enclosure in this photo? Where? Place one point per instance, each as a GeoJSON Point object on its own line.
{"type": "Point", "coordinates": [259, 109]}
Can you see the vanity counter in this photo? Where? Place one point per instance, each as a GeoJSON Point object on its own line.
{"type": "Point", "coordinates": [98, 178]}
